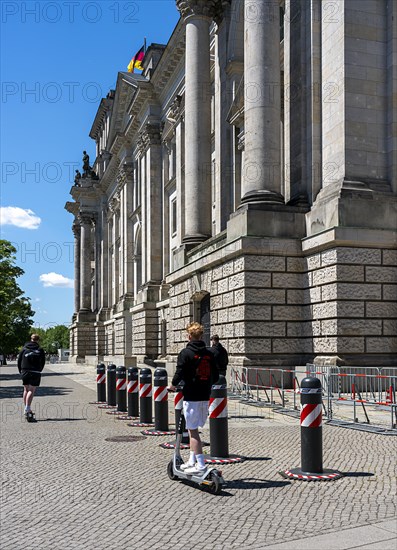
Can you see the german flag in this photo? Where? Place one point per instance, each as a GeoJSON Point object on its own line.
{"type": "Point", "coordinates": [136, 61]}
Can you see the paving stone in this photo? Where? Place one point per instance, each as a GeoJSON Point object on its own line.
{"type": "Point", "coordinates": [89, 493]}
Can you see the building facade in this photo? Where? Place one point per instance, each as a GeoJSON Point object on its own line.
{"type": "Point", "coordinates": [248, 180]}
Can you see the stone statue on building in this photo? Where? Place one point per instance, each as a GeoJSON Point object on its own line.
{"type": "Point", "coordinates": [77, 178]}
{"type": "Point", "coordinates": [86, 164]}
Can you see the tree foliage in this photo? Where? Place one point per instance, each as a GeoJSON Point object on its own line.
{"type": "Point", "coordinates": [53, 338]}
{"type": "Point", "coordinates": [15, 309]}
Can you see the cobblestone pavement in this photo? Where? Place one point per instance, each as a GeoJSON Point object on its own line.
{"type": "Point", "coordinates": [65, 487]}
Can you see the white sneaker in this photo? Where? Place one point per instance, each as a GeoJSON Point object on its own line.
{"type": "Point", "coordinates": [186, 465]}
{"type": "Point", "coordinates": [195, 470]}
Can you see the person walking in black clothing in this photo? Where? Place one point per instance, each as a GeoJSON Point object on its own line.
{"type": "Point", "coordinates": [221, 355]}
{"type": "Point", "coordinates": [195, 366]}
{"type": "Point", "coordinates": [31, 362]}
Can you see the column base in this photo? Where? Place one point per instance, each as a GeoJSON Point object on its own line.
{"type": "Point", "coordinates": [195, 239]}
{"type": "Point", "coordinates": [267, 220]}
{"type": "Point", "coordinates": [262, 196]}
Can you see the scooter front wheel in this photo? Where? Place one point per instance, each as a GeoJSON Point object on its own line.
{"type": "Point", "coordinates": [216, 486]}
{"type": "Point", "coordinates": [170, 470]}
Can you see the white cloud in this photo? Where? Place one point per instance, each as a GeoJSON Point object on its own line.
{"type": "Point", "coordinates": [57, 280]}
{"type": "Point", "coordinates": [13, 215]}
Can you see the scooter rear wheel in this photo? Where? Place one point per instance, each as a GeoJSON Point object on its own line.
{"type": "Point", "coordinates": [170, 470]}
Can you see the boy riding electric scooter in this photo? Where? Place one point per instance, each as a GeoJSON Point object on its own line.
{"type": "Point", "coordinates": [196, 367]}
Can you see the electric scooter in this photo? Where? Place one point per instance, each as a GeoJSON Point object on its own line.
{"type": "Point", "coordinates": [211, 479]}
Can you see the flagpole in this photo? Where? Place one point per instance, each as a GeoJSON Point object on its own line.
{"type": "Point", "coordinates": [144, 44]}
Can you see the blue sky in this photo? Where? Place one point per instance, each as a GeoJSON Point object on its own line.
{"type": "Point", "coordinates": [58, 59]}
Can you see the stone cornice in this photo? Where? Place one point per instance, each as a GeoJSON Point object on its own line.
{"type": "Point", "coordinates": [76, 228]}
{"type": "Point", "coordinates": [203, 8]}
{"type": "Point", "coordinates": [170, 61]}
{"type": "Point", "coordinates": [104, 107]}
{"type": "Point", "coordinates": [72, 207]}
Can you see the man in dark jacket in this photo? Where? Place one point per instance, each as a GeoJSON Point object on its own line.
{"type": "Point", "coordinates": [221, 355]}
{"type": "Point", "coordinates": [195, 366]}
{"type": "Point", "coordinates": [31, 362]}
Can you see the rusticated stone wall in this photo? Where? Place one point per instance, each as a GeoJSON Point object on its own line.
{"type": "Point", "coordinates": [334, 306]}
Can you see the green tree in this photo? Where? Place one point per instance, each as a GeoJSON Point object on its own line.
{"type": "Point", "coordinates": [15, 309]}
{"type": "Point", "coordinates": [55, 338]}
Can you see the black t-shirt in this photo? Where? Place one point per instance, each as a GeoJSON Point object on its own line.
{"type": "Point", "coordinates": [221, 357]}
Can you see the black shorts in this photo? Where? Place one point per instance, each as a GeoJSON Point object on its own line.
{"type": "Point", "coordinates": [31, 378]}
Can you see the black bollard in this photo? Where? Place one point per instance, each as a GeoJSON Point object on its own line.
{"type": "Point", "coordinates": [132, 392]}
{"type": "Point", "coordinates": [219, 443]}
{"type": "Point", "coordinates": [145, 396]}
{"type": "Point", "coordinates": [121, 389]}
{"type": "Point", "coordinates": [101, 383]}
{"type": "Point", "coordinates": [311, 420]}
{"type": "Point", "coordinates": [111, 384]}
{"type": "Point", "coordinates": [160, 400]}
{"type": "Point", "coordinates": [178, 405]}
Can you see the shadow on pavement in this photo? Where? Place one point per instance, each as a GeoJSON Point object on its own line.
{"type": "Point", "coordinates": [15, 392]}
{"type": "Point", "coordinates": [258, 458]}
{"type": "Point", "coordinates": [60, 419]}
{"type": "Point", "coordinates": [44, 374]}
{"type": "Point", "coordinates": [252, 483]}
{"type": "Point", "coordinates": [357, 474]}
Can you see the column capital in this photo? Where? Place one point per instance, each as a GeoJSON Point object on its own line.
{"type": "Point", "coordinates": [150, 135]}
{"type": "Point", "coordinates": [203, 8]}
{"type": "Point", "coordinates": [221, 10]}
{"type": "Point", "coordinates": [87, 218]}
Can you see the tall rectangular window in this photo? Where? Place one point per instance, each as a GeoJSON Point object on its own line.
{"type": "Point", "coordinates": [173, 217]}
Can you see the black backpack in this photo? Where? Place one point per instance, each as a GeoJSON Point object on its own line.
{"type": "Point", "coordinates": [33, 358]}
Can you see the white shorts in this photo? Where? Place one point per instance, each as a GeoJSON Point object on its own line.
{"type": "Point", "coordinates": [196, 413]}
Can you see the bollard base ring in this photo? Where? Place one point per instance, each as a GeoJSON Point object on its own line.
{"type": "Point", "coordinates": [97, 403]}
{"type": "Point", "coordinates": [172, 445]}
{"type": "Point", "coordinates": [116, 413]}
{"type": "Point", "coordinates": [153, 431]}
{"type": "Point", "coordinates": [297, 474]}
{"type": "Point", "coordinates": [127, 417]}
{"type": "Point", "coordinates": [140, 424]}
{"type": "Point", "coordinates": [231, 459]}
{"type": "Point", "coordinates": [107, 406]}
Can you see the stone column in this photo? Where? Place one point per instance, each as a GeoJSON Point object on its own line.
{"type": "Point", "coordinates": [85, 262]}
{"type": "Point", "coordinates": [198, 15]}
{"type": "Point", "coordinates": [262, 169]}
{"type": "Point", "coordinates": [104, 267]}
{"type": "Point", "coordinates": [153, 204]}
{"type": "Point", "coordinates": [127, 247]}
{"type": "Point", "coordinates": [97, 258]}
{"type": "Point", "coordinates": [76, 233]}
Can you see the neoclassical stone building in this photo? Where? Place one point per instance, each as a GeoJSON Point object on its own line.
{"type": "Point", "coordinates": [247, 179]}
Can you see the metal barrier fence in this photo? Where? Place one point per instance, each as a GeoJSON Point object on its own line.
{"type": "Point", "coordinates": [361, 395]}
